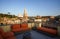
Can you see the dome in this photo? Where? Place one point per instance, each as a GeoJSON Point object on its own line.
{"type": "Point", "coordinates": [19, 15]}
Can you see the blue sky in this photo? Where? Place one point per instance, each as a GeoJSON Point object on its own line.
{"type": "Point", "coordinates": [33, 7]}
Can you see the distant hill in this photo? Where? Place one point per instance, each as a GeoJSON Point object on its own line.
{"type": "Point", "coordinates": [7, 15]}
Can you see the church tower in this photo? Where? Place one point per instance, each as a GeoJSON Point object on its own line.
{"type": "Point", "coordinates": [25, 16]}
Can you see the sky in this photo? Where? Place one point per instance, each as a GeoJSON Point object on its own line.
{"type": "Point", "coordinates": [33, 7]}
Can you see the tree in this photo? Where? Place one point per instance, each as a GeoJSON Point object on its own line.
{"type": "Point", "coordinates": [8, 13]}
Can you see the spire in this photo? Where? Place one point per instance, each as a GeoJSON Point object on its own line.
{"type": "Point", "coordinates": [25, 12]}
{"type": "Point", "coordinates": [25, 16]}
